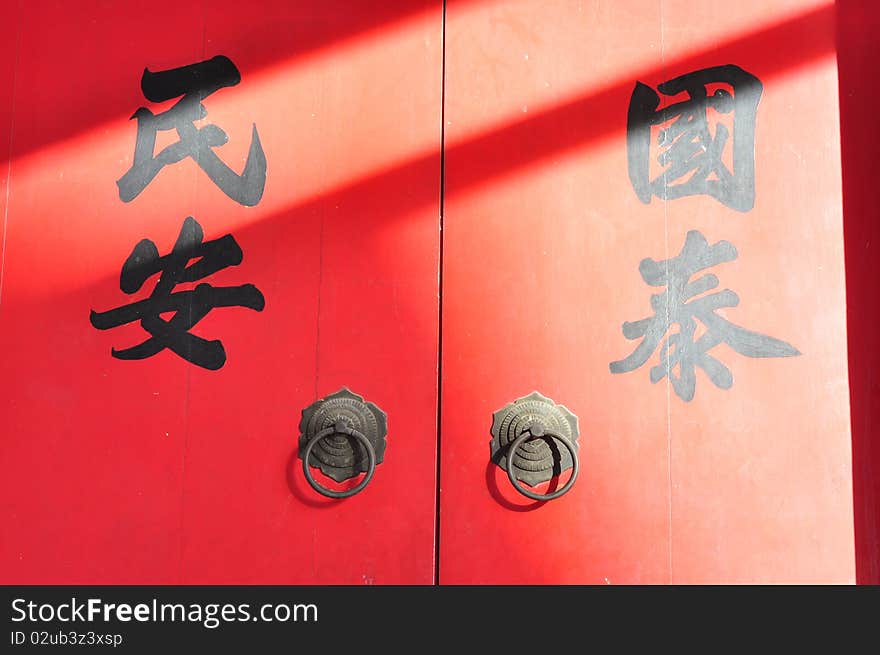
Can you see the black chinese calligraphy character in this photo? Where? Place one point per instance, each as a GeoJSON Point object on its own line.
{"type": "Point", "coordinates": [691, 156]}
{"type": "Point", "coordinates": [189, 307]}
{"type": "Point", "coordinates": [681, 349]}
{"type": "Point", "coordinates": [195, 83]}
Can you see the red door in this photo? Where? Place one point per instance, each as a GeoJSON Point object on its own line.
{"type": "Point", "coordinates": [135, 450]}
{"type": "Point", "coordinates": [221, 240]}
{"type": "Point", "coordinates": [643, 223]}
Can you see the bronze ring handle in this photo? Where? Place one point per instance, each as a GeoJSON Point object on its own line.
{"type": "Point", "coordinates": [536, 432]}
{"type": "Point", "coordinates": [339, 428]}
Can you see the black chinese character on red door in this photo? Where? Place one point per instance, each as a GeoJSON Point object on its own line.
{"type": "Point", "coordinates": [189, 307]}
{"type": "Point", "coordinates": [705, 137]}
{"type": "Point", "coordinates": [194, 83]}
{"type": "Point", "coordinates": [682, 305]}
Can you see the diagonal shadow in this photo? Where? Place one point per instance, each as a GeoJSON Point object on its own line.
{"type": "Point", "coordinates": [602, 114]}
{"type": "Point", "coordinates": [575, 124]}
{"type": "Point", "coordinates": [325, 27]}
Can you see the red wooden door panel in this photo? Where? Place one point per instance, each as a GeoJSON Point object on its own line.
{"type": "Point", "coordinates": [547, 253]}
{"type": "Point", "coordinates": [161, 470]}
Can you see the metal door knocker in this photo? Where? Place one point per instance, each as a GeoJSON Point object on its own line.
{"type": "Point", "coordinates": [534, 439]}
{"type": "Point", "coordinates": [342, 435]}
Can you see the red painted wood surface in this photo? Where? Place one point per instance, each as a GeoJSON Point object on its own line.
{"type": "Point", "coordinates": [157, 470]}
{"type": "Point", "coordinates": [543, 236]}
